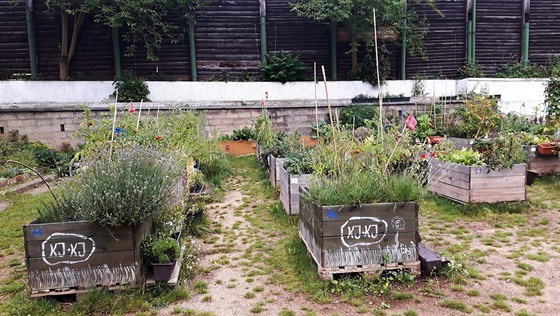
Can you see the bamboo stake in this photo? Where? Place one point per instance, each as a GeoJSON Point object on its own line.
{"type": "Point", "coordinates": [332, 121]}
{"type": "Point", "coordinates": [139, 112]}
{"type": "Point", "coordinates": [316, 106]}
{"type": "Point", "coordinates": [380, 92]}
{"type": "Point", "coordinates": [113, 127]}
{"type": "Point", "coordinates": [157, 115]}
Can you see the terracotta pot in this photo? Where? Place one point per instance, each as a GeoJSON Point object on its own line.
{"type": "Point", "coordinates": [435, 139]}
{"type": "Point", "coordinates": [547, 149]}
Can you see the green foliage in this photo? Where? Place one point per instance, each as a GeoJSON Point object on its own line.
{"type": "Point", "coordinates": [298, 162]}
{"type": "Point", "coordinates": [160, 249]}
{"type": "Point", "coordinates": [135, 185]}
{"type": "Point", "coordinates": [5, 73]}
{"type": "Point", "coordinates": [515, 69]}
{"type": "Point", "coordinates": [424, 128]}
{"type": "Point", "coordinates": [502, 151]}
{"type": "Point", "coordinates": [145, 23]}
{"type": "Point", "coordinates": [358, 116]}
{"type": "Point", "coordinates": [477, 117]}
{"type": "Point", "coordinates": [245, 133]}
{"type": "Point", "coordinates": [552, 100]}
{"type": "Point", "coordinates": [283, 67]}
{"type": "Point", "coordinates": [178, 131]}
{"type": "Point", "coordinates": [465, 156]}
{"type": "Point", "coordinates": [372, 169]}
{"type": "Point", "coordinates": [470, 70]}
{"type": "Point", "coordinates": [131, 88]}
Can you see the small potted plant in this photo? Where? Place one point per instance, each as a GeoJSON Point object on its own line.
{"type": "Point", "coordinates": [162, 253]}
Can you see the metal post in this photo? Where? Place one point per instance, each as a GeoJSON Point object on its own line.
{"type": "Point", "coordinates": [473, 44]}
{"type": "Point", "coordinates": [31, 38]}
{"type": "Point", "coordinates": [334, 55]}
{"type": "Point", "coordinates": [526, 44]}
{"type": "Point", "coordinates": [403, 48]}
{"type": "Point", "coordinates": [117, 52]}
{"type": "Point", "coordinates": [469, 42]}
{"type": "Point", "coordinates": [192, 51]}
{"type": "Point", "coordinates": [264, 48]}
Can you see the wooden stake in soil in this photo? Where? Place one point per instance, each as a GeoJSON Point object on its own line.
{"type": "Point", "coordinates": [380, 92]}
{"type": "Point", "coordinates": [139, 112]}
{"type": "Point", "coordinates": [113, 127]}
{"type": "Point", "coordinates": [316, 106]}
{"type": "Point", "coordinates": [334, 132]}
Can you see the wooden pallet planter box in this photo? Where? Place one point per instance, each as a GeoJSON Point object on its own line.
{"type": "Point", "coordinates": [238, 147]}
{"type": "Point", "coordinates": [477, 184]}
{"type": "Point", "coordinates": [289, 189]}
{"type": "Point", "coordinates": [274, 170]}
{"type": "Point", "coordinates": [74, 256]}
{"type": "Point", "coordinates": [542, 164]}
{"type": "Point", "coordinates": [461, 143]}
{"type": "Point", "coordinates": [360, 238]}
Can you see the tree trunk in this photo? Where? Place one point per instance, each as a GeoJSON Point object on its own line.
{"type": "Point", "coordinates": [67, 52]}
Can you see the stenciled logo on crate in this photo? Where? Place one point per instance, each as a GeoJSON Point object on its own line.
{"type": "Point", "coordinates": [362, 231]}
{"type": "Point", "coordinates": [67, 248]}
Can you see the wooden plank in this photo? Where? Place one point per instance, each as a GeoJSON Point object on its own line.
{"type": "Point", "coordinates": [498, 191]}
{"type": "Point", "coordinates": [353, 242]}
{"type": "Point", "coordinates": [436, 164]}
{"type": "Point", "coordinates": [542, 164]}
{"type": "Point", "coordinates": [451, 178]}
{"type": "Point", "coordinates": [452, 192]}
{"type": "Point", "coordinates": [42, 231]}
{"type": "Point", "coordinates": [344, 212]}
{"type": "Point", "coordinates": [368, 226]}
{"type": "Point", "coordinates": [486, 172]}
{"type": "Point", "coordinates": [115, 258]}
{"type": "Point", "coordinates": [61, 244]}
{"type": "Point", "coordinates": [284, 179]}
{"type": "Point", "coordinates": [278, 164]}
{"type": "Point", "coordinates": [503, 183]}
{"type": "Point", "coordinates": [430, 260]}
{"type": "Point", "coordinates": [499, 198]}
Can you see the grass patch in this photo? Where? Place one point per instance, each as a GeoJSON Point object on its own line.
{"type": "Point", "coordinates": [456, 305]}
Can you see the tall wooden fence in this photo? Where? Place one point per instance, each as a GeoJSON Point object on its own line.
{"type": "Point", "coordinates": [228, 42]}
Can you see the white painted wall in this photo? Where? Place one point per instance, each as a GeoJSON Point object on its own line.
{"type": "Point", "coordinates": [518, 95]}
{"type": "Point", "coordinates": [523, 96]}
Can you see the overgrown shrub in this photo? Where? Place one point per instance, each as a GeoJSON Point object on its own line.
{"type": "Point", "coordinates": [131, 88]}
{"type": "Point", "coordinates": [134, 185]}
{"type": "Point", "coordinates": [283, 67]}
{"type": "Point", "coordinates": [517, 69]}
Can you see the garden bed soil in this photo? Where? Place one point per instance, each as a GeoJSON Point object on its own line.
{"type": "Point", "coordinates": [477, 184]}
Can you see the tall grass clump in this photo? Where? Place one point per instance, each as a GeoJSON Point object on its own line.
{"type": "Point", "coordinates": [136, 184]}
{"type": "Point", "coordinates": [373, 167]}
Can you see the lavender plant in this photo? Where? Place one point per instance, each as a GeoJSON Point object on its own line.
{"type": "Point", "coordinates": [136, 184]}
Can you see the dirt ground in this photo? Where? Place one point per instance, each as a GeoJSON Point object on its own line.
{"type": "Point", "coordinates": [496, 290]}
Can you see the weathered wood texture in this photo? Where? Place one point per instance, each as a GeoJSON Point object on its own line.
{"type": "Point", "coordinates": [461, 143]}
{"type": "Point", "coordinates": [286, 31]}
{"type": "Point", "coordinates": [542, 164]}
{"type": "Point", "coordinates": [499, 33]}
{"type": "Point", "coordinates": [289, 189]}
{"type": "Point", "coordinates": [544, 30]}
{"type": "Point", "coordinates": [75, 255]}
{"type": "Point", "coordinates": [477, 184]}
{"type": "Point", "coordinates": [228, 41]}
{"type": "Point", "coordinates": [274, 166]}
{"type": "Point", "coordinates": [444, 42]}
{"type": "Point", "coordinates": [372, 237]}
{"type": "Point", "coordinates": [14, 50]}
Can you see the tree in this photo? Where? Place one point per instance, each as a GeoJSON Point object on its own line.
{"type": "Point", "coordinates": [357, 16]}
{"type": "Point", "coordinates": [141, 22]}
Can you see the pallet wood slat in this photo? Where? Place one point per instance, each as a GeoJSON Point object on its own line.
{"type": "Point", "coordinates": [61, 257]}
{"type": "Point", "coordinates": [483, 185]}
{"type": "Point", "coordinates": [289, 189]}
{"type": "Point", "coordinates": [365, 238]}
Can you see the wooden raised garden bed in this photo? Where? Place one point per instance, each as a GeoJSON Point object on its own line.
{"type": "Point", "coordinates": [238, 147]}
{"type": "Point", "coordinates": [360, 238]}
{"type": "Point", "coordinates": [542, 163]}
{"type": "Point", "coordinates": [477, 184]}
{"type": "Point", "coordinates": [289, 189]}
{"type": "Point", "coordinates": [70, 257]}
{"type": "Point", "coordinates": [274, 170]}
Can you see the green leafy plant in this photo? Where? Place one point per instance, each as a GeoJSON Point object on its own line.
{"type": "Point", "coordinates": [477, 117]}
{"type": "Point", "coordinates": [160, 249]}
{"type": "Point", "coordinates": [134, 185]}
{"type": "Point", "coordinates": [131, 88]}
{"type": "Point", "coordinates": [516, 69]}
{"type": "Point", "coordinates": [424, 128]}
{"type": "Point", "coordinates": [358, 116]}
{"type": "Point", "coordinates": [552, 100]}
{"type": "Point", "coordinates": [283, 67]}
{"type": "Point", "coordinates": [464, 156]}
{"type": "Point", "coordinates": [470, 70]}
